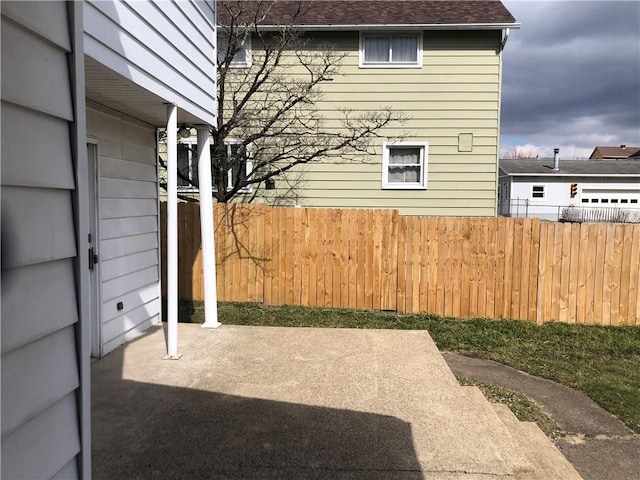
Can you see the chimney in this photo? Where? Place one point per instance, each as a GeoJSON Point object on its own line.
{"type": "Point", "coordinates": [623, 146]}
{"type": "Point", "coordinates": [556, 159]}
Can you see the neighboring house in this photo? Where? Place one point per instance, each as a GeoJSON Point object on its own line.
{"type": "Point", "coordinates": [615, 153]}
{"type": "Point", "coordinates": [531, 187]}
{"type": "Point", "coordinates": [85, 85]}
{"type": "Point", "coordinates": [437, 62]}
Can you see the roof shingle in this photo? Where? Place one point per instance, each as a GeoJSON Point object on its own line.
{"type": "Point", "coordinates": [526, 167]}
{"type": "Point", "coordinates": [617, 152]}
{"type": "Point", "coordinates": [383, 12]}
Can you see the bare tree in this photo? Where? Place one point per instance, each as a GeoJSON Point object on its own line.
{"type": "Point", "coordinates": [521, 152]}
{"type": "Point", "coordinates": [269, 122]}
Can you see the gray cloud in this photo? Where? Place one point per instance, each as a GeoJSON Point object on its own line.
{"type": "Point", "coordinates": [571, 74]}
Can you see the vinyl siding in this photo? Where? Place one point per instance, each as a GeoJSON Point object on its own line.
{"type": "Point", "coordinates": [40, 371]}
{"type": "Point", "coordinates": [557, 194]}
{"type": "Point", "coordinates": [147, 43]}
{"type": "Point", "coordinates": [128, 225]}
{"type": "Point", "coordinates": [456, 91]}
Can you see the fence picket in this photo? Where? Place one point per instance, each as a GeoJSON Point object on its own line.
{"type": "Point", "coordinates": [516, 278]}
{"type": "Point", "coordinates": [625, 280]}
{"type": "Point", "coordinates": [611, 279]}
{"type": "Point", "coordinates": [599, 273]}
{"type": "Point", "coordinates": [402, 273]}
{"type": "Point", "coordinates": [565, 264]}
{"type": "Point", "coordinates": [423, 283]}
{"type": "Point", "coordinates": [501, 231]}
{"type": "Point", "coordinates": [374, 286]}
{"type": "Point", "coordinates": [572, 314]}
{"type": "Point", "coordinates": [525, 266]}
{"type": "Point", "coordinates": [433, 256]}
{"type": "Point", "coordinates": [634, 281]}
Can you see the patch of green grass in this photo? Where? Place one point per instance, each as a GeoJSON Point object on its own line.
{"type": "Point", "coordinates": [602, 362]}
{"type": "Point", "coordinates": [524, 408]}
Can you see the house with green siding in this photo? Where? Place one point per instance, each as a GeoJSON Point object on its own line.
{"type": "Point", "coordinates": [436, 63]}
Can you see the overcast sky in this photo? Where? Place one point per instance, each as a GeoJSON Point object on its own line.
{"type": "Point", "coordinates": [571, 76]}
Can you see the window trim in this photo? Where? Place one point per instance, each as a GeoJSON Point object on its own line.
{"type": "Point", "coordinates": [424, 163]}
{"type": "Point", "coordinates": [188, 188]}
{"type": "Point", "coordinates": [248, 165]}
{"type": "Point", "coordinates": [230, 141]}
{"type": "Point", "coordinates": [544, 191]}
{"type": "Point", "coordinates": [247, 55]}
{"type": "Point", "coordinates": [390, 64]}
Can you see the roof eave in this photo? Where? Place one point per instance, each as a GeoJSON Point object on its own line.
{"type": "Point", "coordinates": [412, 26]}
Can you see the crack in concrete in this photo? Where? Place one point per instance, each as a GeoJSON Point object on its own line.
{"type": "Point", "coordinates": [468, 472]}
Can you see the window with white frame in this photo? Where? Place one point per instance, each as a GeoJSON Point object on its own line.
{"type": "Point", "coordinates": [537, 191]}
{"type": "Point", "coordinates": [396, 50]}
{"type": "Point", "coordinates": [404, 165]}
{"type": "Point", "coordinates": [241, 58]}
{"type": "Point", "coordinates": [188, 165]}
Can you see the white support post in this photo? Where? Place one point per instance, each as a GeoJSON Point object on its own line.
{"type": "Point", "coordinates": [172, 233]}
{"type": "Point", "coordinates": [206, 225]}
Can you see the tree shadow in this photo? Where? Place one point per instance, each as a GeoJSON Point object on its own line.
{"type": "Point", "coordinates": [234, 227]}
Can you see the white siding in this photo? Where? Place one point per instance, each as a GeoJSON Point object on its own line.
{"type": "Point", "coordinates": [40, 371]}
{"type": "Point", "coordinates": [128, 224]}
{"type": "Point", "coordinates": [558, 194]}
{"type": "Point", "coordinates": [165, 47]}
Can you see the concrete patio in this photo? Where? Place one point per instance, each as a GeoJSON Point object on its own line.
{"type": "Point", "coordinates": [302, 403]}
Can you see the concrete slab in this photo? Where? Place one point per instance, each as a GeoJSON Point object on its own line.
{"type": "Point", "coordinates": [302, 403]}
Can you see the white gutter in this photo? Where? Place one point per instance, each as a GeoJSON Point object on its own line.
{"type": "Point", "coordinates": [397, 26]}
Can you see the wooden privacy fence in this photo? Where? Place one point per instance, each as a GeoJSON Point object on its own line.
{"type": "Point", "coordinates": [519, 268]}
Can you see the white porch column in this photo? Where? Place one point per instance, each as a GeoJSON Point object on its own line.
{"type": "Point", "coordinates": [206, 225]}
{"type": "Point", "coordinates": [172, 233]}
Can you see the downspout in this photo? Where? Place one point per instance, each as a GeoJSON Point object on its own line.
{"type": "Point", "coordinates": [172, 233]}
{"type": "Point", "coordinates": [505, 37]}
{"type": "Point", "coordinates": [80, 200]}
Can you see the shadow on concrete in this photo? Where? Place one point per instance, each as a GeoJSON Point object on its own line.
{"type": "Point", "coordinates": [143, 430]}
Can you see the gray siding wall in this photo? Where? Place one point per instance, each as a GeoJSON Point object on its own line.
{"type": "Point", "coordinates": [40, 370]}
{"type": "Point", "coordinates": [146, 43]}
{"type": "Point", "coordinates": [128, 209]}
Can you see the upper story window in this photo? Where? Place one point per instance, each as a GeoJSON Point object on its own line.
{"type": "Point", "coordinates": [188, 165]}
{"type": "Point", "coordinates": [242, 55]}
{"type": "Point", "coordinates": [391, 50]}
{"type": "Point", "coordinates": [404, 165]}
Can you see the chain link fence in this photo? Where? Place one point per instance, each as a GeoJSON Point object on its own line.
{"type": "Point", "coordinates": [563, 213]}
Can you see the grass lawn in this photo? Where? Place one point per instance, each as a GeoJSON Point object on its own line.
{"type": "Point", "coordinates": [602, 362]}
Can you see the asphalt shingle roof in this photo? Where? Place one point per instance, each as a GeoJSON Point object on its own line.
{"type": "Point", "coordinates": [618, 152]}
{"type": "Point", "coordinates": [383, 12]}
{"type": "Point", "coordinates": [523, 167]}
